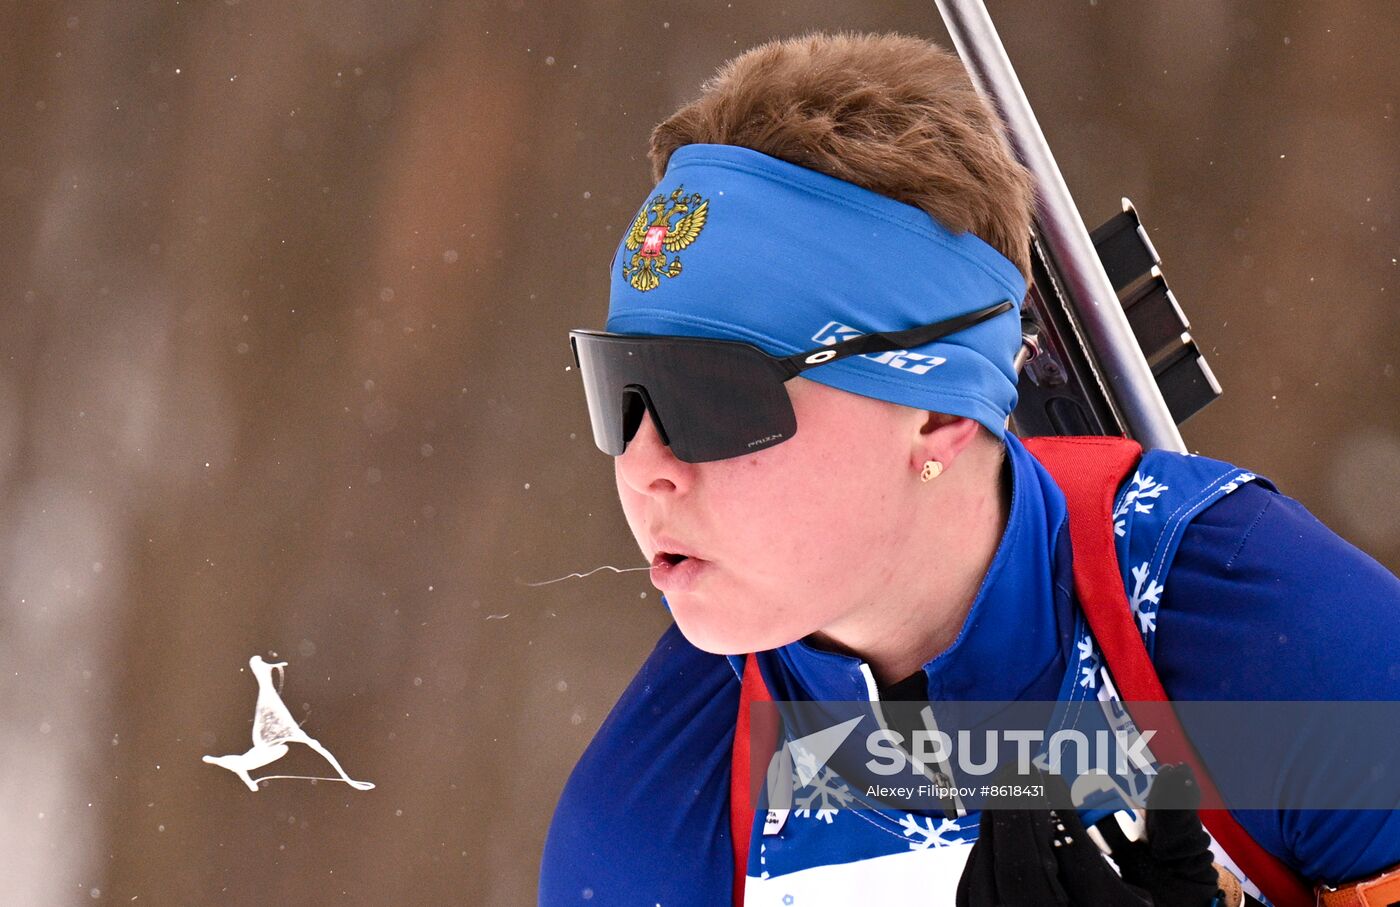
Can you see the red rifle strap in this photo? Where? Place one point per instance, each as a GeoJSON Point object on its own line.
{"type": "Point", "coordinates": [1089, 471]}
{"type": "Point", "coordinates": [752, 690]}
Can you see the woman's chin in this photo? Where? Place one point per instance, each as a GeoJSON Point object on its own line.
{"type": "Point", "coordinates": [723, 635]}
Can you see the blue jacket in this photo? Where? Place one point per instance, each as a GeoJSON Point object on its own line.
{"type": "Point", "coordinates": [1241, 595]}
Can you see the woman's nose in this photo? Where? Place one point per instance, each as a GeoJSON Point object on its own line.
{"type": "Point", "coordinates": [648, 466]}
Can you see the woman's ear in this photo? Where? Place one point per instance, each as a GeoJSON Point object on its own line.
{"type": "Point", "coordinates": [943, 438]}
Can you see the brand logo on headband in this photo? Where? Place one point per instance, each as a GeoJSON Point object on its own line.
{"type": "Point", "coordinates": [905, 361]}
{"type": "Point", "coordinates": [654, 233]}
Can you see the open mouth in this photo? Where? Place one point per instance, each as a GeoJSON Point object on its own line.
{"type": "Point", "coordinates": [672, 572]}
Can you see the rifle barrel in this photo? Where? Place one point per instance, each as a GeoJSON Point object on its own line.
{"type": "Point", "coordinates": [1123, 369]}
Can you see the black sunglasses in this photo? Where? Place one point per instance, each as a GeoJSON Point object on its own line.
{"type": "Point", "coordinates": [715, 399]}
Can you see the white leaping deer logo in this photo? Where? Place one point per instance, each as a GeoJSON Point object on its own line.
{"type": "Point", "coordinates": [273, 728]}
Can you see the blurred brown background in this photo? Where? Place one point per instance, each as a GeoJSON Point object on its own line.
{"type": "Point", "coordinates": [284, 290]}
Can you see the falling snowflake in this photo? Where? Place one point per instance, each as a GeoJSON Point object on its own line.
{"type": "Point", "coordinates": [927, 835]}
{"type": "Point", "coordinates": [1145, 489]}
{"type": "Point", "coordinates": [825, 796]}
{"type": "Point", "coordinates": [1152, 592]}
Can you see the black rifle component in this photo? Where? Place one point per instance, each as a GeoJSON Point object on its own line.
{"type": "Point", "coordinates": [1109, 354]}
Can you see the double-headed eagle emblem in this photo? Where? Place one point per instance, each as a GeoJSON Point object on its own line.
{"type": "Point", "coordinates": [653, 235]}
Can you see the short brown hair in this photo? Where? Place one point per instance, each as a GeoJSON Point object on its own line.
{"type": "Point", "coordinates": [894, 114]}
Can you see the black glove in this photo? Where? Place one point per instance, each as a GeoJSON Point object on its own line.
{"type": "Point", "coordinates": [1037, 854]}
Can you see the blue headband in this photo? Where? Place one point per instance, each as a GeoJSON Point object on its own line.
{"type": "Point", "coordinates": [737, 245]}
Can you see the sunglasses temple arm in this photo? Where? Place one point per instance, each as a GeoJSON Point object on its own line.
{"type": "Point", "coordinates": [885, 342]}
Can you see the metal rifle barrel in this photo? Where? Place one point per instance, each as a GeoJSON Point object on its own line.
{"type": "Point", "coordinates": [1114, 350]}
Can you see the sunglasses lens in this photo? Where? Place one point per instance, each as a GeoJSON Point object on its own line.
{"type": "Point", "coordinates": [711, 399]}
{"type": "Point", "coordinates": [720, 400]}
{"type": "Point", "coordinates": [608, 408]}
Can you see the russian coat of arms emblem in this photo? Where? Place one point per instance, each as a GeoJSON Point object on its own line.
{"type": "Point", "coordinates": [665, 224]}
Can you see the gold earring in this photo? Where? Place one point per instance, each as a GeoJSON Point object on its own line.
{"type": "Point", "coordinates": [932, 470]}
